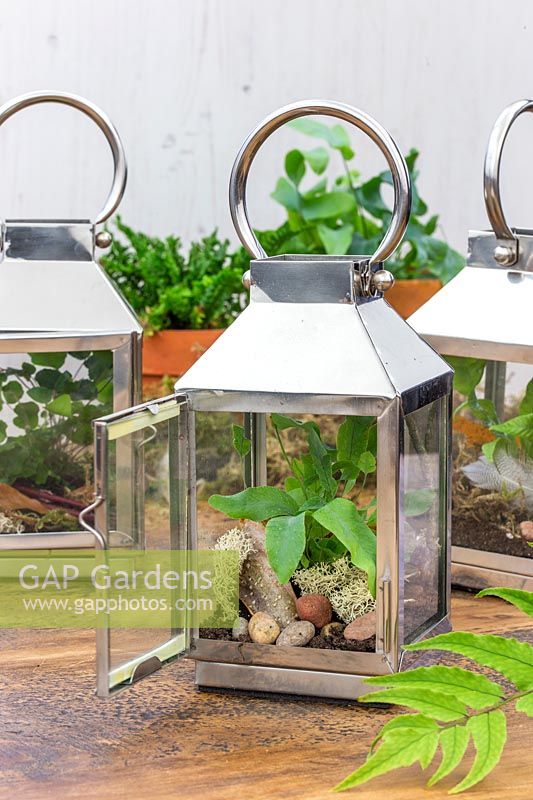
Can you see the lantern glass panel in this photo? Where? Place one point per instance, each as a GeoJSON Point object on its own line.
{"type": "Point", "coordinates": [145, 511]}
{"type": "Point", "coordinates": [47, 404]}
{"type": "Point", "coordinates": [423, 502]}
{"type": "Point", "coordinates": [323, 469]}
{"type": "Point", "coordinates": [492, 492]}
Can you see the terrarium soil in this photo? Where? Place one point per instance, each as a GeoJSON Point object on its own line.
{"type": "Point", "coordinates": [318, 642]}
{"type": "Point", "coordinates": [488, 536]}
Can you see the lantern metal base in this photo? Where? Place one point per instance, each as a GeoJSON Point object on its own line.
{"type": "Point", "coordinates": [276, 680]}
{"type": "Point", "coordinates": [480, 569]}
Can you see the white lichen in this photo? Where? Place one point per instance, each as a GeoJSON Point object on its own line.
{"type": "Point", "coordinates": [8, 525]}
{"type": "Point", "coordinates": [345, 586]}
{"type": "Point", "coordinates": [236, 539]}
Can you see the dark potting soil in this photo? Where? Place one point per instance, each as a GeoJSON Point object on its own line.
{"type": "Point", "coordinates": [489, 537]}
{"type": "Point", "coordinates": [317, 642]}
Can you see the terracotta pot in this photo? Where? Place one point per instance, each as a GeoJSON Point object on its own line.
{"type": "Point", "coordinates": [407, 296]}
{"type": "Point", "coordinates": [173, 352]}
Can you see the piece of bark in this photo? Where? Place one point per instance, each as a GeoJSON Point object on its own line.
{"type": "Point", "coordinates": [13, 500]}
{"type": "Point", "coordinates": [260, 590]}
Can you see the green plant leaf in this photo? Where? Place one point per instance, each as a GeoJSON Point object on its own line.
{"type": "Point", "coordinates": [438, 705]}
{"type": "Point", "coordinates": [295, 166]}
{"type": "Point", "coordinates": [3, 430]}
{"type": "Point", "coordinates": [54, 360]}
{"type": "Point", "coordinates": [241, 444]}
{"type": "Point", "coordinates": [282, 423]}
{"type": "Point", "coordinates": [517, 426]}
{"type": "Point", "coordinates": [401, 748]}
{"type": "Point", "coordinates": [468, 373]}
{"type": "Point", "coordinates": [489, 732]}
{"type": "Point", "coordinates": [525, 704]}
{"type": "Point", "coordinates": [367, 462]}
{"type": "Point", "coordinates": [26, 416]}
{"type": "Point", "coordinates": [341, 517]}
{"type": "Point", "coordinates": [405, 721]}
{"type": "Point", "coordinates": [40, 394]}
{"type": "Point", "coordinates": [330, 205]}
{"type": "Point", "coordinates": [352, 438]}
{"type": "Point", "coordinates": [257, 504]}
{"type": "Point", "coordinates": [453, 742]}
{"type": "Point", "coordinates": [488, 449]}
{"type": "Point", "coordinates": [476, 690]}
{"type": "Point", "coordinates": [285, 544]}
{"type": "Point", "coordinates": [526, 404]}
{"type": "Point", "coordinates": [318, 159]}
{"type": "Point", "coordinates": [12, 392]}
{"type": "Point", "coordinates": [336, 241]}
{"type": "Point", "coordinates": [518, 597]}
{"type": "Point", "coordinates": [513, 659]}
{"type": "Point", "coordinates": [322, 464]}
{"type": "Point", "coordinates": [286, 194]}
{"type": "Point", "coordinates": [61, 405]}
{"type": "Point", "coordinates": [418, 502]}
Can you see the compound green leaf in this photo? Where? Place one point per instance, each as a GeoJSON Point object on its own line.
{"type": "Point", "coordinates": [525, 704]}
{"type": "Point", "coordinates": [518, 597]}
{"type": "Point", "coordinates": [453, 742]}
{"type": "Point", "coordinates": [476, 690]}
{"type": "Point", "coordinates": [513, 659]}
{"type": "Point", "coordinates": [401, 748]}
{"type": "Point", "coordinates": [432, 703]}
{"type": "Point", "coordinates": [489, 732]}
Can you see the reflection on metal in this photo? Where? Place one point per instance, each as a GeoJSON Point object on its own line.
{"type": "Point", "coordinates": [495, 375]}
{"type": "Point", "coordinates": [479, 569]}
{"type": "Point", "coordinates": [54, 297]}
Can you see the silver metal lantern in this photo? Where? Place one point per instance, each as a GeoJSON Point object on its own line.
{"type": "Point", "coordinates": [317, 342]}
{"type": "Point", "coordinates": [70, 349]}
{"type": "Point", "coordinates": [482, 321]}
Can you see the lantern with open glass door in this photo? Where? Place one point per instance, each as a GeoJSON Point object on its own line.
{"type": "Point", "coordinates": [481, 322]}
{"type": "Point", "coordinates": [312, 438]}
{"type": "Point", "coordinates": [70, 350]}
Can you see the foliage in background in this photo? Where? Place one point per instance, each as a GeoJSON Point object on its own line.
{"type": "Point", "coordinates": [347, 215]}
{"type": "Point", "coordinates": [507, 461]}
{"type": "Point", "coordinates": [52, 407]}
{"type": "Point", "coordinates": [452, 705]}
{"type": "Point", "coordinates": [169, 289]}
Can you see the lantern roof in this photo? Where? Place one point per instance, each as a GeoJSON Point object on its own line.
{"type": "Point", "coordinates": [309, 331]}
{"type": "Point", "coordinates": [485, 311]}
{"type": "Point", "coordinates": [50, 283]}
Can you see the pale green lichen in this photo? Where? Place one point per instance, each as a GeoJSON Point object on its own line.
{"type": "Point", "coordinates": [236, 539]}
{"type": "Point", "coordinates": [345, 586]}
{"type": "Point", "coordinates": [8, 525]}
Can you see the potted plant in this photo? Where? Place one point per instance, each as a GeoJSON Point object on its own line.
{"type": "Point", "coordinates": [347, 215]}
{"type": "Point", "coordinates": [183, 300]}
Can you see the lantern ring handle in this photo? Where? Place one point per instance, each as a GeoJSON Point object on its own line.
{"type": "Point", "coordinates": [361, 120]}
{"type": "Point", "coordinates": [120, 172]}
{"type": "Point", "coordinates": [493, 157]}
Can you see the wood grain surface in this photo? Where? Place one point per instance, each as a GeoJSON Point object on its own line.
{"type": "Point", "coordinates": [164, 739]}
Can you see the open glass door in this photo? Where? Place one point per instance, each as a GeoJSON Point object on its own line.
{"type": "Point", "coordinates": [144, 480]}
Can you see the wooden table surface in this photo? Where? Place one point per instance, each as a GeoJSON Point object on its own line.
{"type": "Point", "coordinates": [163, 739]}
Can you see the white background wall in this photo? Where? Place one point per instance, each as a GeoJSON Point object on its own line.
{"type": "Point", "coordinates": [184, 81]}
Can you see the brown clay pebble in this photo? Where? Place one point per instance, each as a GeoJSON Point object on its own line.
{"type": "Point", "coordinates": [526, 531]}
{"type": "Point", "coordinates": [314, 608]}
{"type": "Point", "coordinates": [361, 628]}
{"type": "Point", "coordinates": [263, 629]}
{"type": "Point", "coordinates": [332, 630]}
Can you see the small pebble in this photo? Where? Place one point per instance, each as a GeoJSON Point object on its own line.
{"type": "Point", "coordinates": [509, 535]}
{"type": "Point", "coordinates": [263, 629]}
{"type": "Point", "coordinates": [526, 530]}
{"type": "Point", "coordinates": [240, 628]}
{"type": "Point", "coordinates": [297, 634]}
{"type": "Point", "coordinates": [361, 628]}
{"type": "Point", "coordinates": [332, 629]}
{"type": "Point", "coordinates": [314, 608]}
